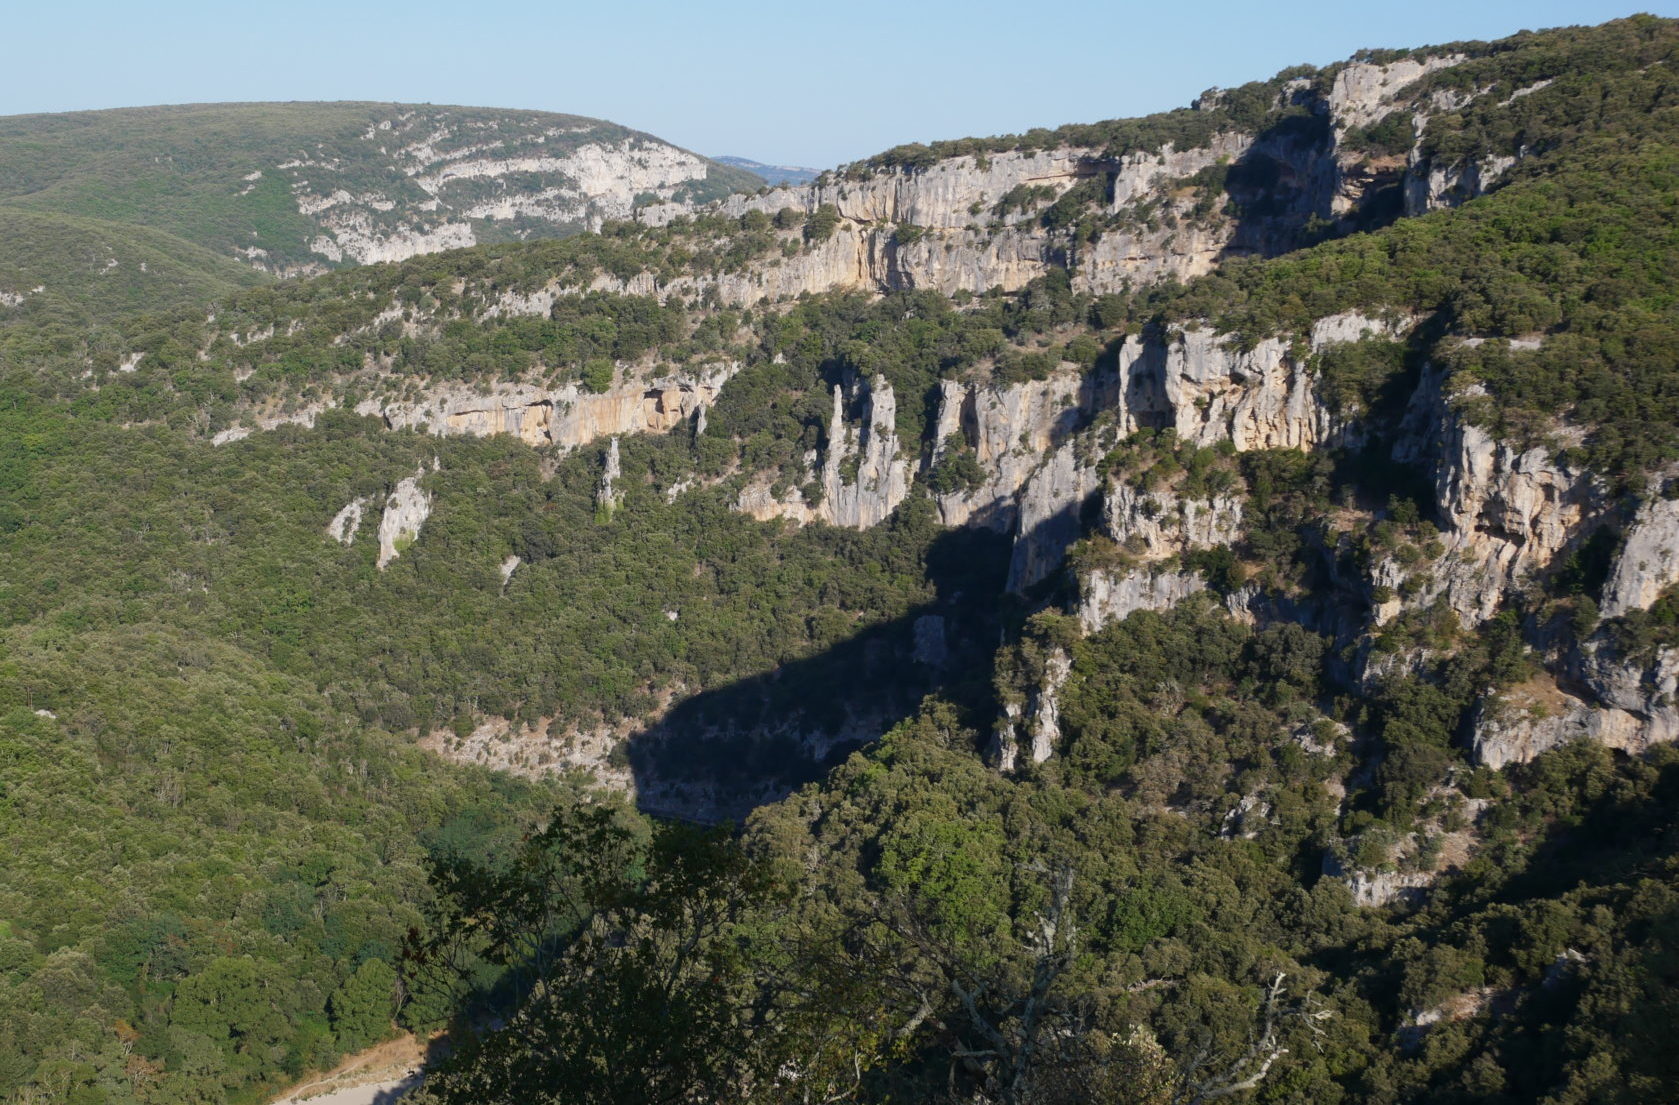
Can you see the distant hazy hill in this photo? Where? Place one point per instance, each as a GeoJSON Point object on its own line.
{"type": "Point", "coordinates": [296, 188]}
{"type": "Point", "coordinates": [775, 174]}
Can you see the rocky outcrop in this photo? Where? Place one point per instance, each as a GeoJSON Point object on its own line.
{"type": "Point", "coordinates": [346, 522]}
{"type": "Point", "coordinates": [1008, 429]}
{"type": "Point", "coordinates": [1150, 528]}
{"type": "Point", "coordinates": [1373, 889]}
{"type": "Point", "coordinates": [423, 179]}
{"type": "Point", "coordinates": [1363, 92]}
{"type": "Point", "coordinates": [1648, 562]}
{"type": "Point", "coordinates": [1107, 597]}
{"type": "Point", "coordinates": [566, 417]}
{"type": "Point", "coordinates": [1519, 723]}
{"type": "Point", "coordinates": [1505, 512]}
{"type": "Point", "coordinates": [1431, 187]}
{"type": "Point", "coordinates": [1153, 525]}
{"type": "Point", "coordinates": [864, 474]}
{"type": "Point", "coordinates": [406, 510]}
{"type": "Point", "coordinates": [1639, 695]}
{"type": "Point", "coordinates": [980, 252]}
{"type": "Point", "coordinates": [1629, 703]}
{"type": "Point", "coordinates": [1034, 725]}
{"type": "Point", "coordinates": [1050, 512]}
{"type": "Point", "coordinates": [607, 494]}
{"type": "Point", "coordinates": [1207, 389]}
{"type": "Point", "coordinates": [1259, 398]}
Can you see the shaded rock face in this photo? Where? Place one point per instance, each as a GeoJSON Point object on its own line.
{"type": "Point", "coordinates": [970, 239]}
{"type": "Point", "coordinates": [1050, 518]}
{"type": "Point", "coordinates": [406, 510]}
{"type": "Point", "coordinates": [931, 647]}
{"type": "Point", "coordinates": [1009, 431]}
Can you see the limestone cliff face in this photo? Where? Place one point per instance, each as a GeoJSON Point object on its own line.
{"type": "Point", "coordinates": [971, 242]}
{"type": "Point", "coordinates": [406, 510]}
{"type": "Point", "coordinates": [952, 194]}
{"type": "Point", "coordinates": [1206, 388]}
{"type": "Point", "coordinates": [568, 417]}
{"type": "Point", "coordinates": [1510, 517]}
{"type": "Point", "coordinates": [1035, 725]}
{"type": "Point", "coordinates": [1601, 692]}
{"type": "Point", "coordinates": [1648, 562]}
{"type": "Point", "coordinates": [879, 481]}
{"type": "Point", "coordinates": [1107, 597]}
{"type": "Point", "coordinates": [1152, 527]}
{"type": "Point", "coordinates": [969, 239]}
{"type": "Point", "coordinates": [1506, 512]}
{"type": "Point", "coordinates": [421, 179]}
{"type": "Point", "coordinates": [1009, 430]}
{"type": "Point", "coordinates": [1363, 92]}
{"type": "Point", "coordinates": [1628, 703]}
{"type": "Point", "coordinates": [1639, 695]}
{"type": "Point", "coordinates": [864, 473]}
{"type": "Point", "coordinates": [1257, 399]}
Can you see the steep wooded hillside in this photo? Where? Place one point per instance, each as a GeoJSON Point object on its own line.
{"type": "Point", "coordinates": [1184, 605]}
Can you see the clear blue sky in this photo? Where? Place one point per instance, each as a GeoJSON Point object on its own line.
{"type": "Point", "coordinates": [793, 82]}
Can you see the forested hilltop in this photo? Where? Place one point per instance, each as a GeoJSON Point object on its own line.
{"type": "Point", "coordinates": [1164, 610]}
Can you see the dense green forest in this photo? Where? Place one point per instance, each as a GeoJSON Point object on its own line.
{"type": "Point", "coordinates": [1115, 928]}
{"type": "Point", "coordinates": [228, 864]}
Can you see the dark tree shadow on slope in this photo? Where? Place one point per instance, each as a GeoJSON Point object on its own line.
{"type": "Point", "coordinates": [722, 752]}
